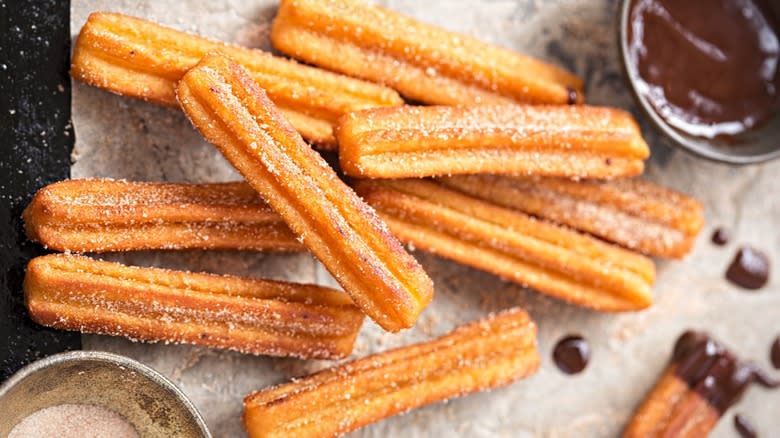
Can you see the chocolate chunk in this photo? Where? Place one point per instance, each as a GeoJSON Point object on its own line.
{"type": "Point", "coordinates": [749, 269]}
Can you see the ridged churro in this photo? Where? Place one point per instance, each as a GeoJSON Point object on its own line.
{"type": "Point", "coordinates": [141, 59]}
{"type": "Point", "coordinates": [73, 292]}
{"type": "Point", "coordinates": [423, 62]}
{"type": "Point", "coordinates": [549, 258]}
{"type": "Point", "coordinates": [631, 212]}
{"type": "Point", "coordinates": [102, 215]}
{"type": "Point", "coordinates": [412, 141]}
{"type": "Point", "coordinates": [485, 354]}
{"type": "Point", "coordinates": [703, 380]}
{"type": "Point", "coordinates": [234, 113]}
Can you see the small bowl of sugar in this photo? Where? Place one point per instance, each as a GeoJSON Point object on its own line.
{"type": "Point", "coordinates": [95, 394]}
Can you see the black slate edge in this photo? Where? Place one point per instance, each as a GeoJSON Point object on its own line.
{"type": "Point", "coordinates": [36, 140]}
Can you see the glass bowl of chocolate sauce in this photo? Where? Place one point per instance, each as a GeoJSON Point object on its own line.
{"type": "Point", "coordinates": [706, 73]}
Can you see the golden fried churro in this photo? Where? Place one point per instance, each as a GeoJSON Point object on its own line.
{"type": "Point", "coordinates": [549, 258]}
{"type": "Point", "coordinates": [141, 59]}
{"type": "Point", "coordinates": [570, 141]}
{"type": "Point", "coordinates": [232, 112]}
{"type": "Point", "coordinates": [631, 212]}
{"type": "Point", "coordinates": [423, 62]}
{"type": "Point", "coordinates": [101, 215]}
{"type": "Point", "coordinates": [73, 292]}
{"type": "Point", "coordinates": [702, 381]}
{"type": "Point", "coordinates": [484, 354]}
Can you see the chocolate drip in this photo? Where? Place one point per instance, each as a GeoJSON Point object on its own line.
{"type": "Point", "coordinates": [714, 372]}
{"type": "Point", "coordinates": [744, 427]}
{"type": "Point", "coordinates": [571, 354]}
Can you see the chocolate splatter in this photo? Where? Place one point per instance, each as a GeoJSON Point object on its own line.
{"type": "Point", "coordinates": [571, 354]}
{"type": "Point", "coordinates": [721, 236]}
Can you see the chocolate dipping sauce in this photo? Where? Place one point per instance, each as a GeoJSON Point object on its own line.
{"type": "Point", "coordinates": [744, 427]}
{"type": "Point", "coordinates": [571, 354]}
{"type": "Point", "coordinates": [749, 269]}
{"type": "Point", "coordinates": [708, 67]}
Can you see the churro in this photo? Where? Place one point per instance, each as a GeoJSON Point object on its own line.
{"type": "Point", "coordinates": [631, 212]}
{"type": "Point", "coordinates": [141, 59]}
{"type": "Point", "coordinates": [235, 114]}
{"type": "Point", "coordinates": [549, 258]}
{"type": "Point", "coordinates": [412, 141]}
{"type": "Point", "coordinates": [703, 380]}
{"type": "Point", "coordinates": [423, 62]}
{"type": "Point", "coordinates": [72, 292]}
{"type": "Point", "coordinates": [102, 215]}
{"type": "Point", "coordinates": [485, 354]}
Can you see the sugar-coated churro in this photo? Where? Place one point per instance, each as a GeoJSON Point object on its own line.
{"type": "Point", "coordinates": [102, 215]}
{"type": "Point", "coordinates": [141, 59]}
{"type": "Point", "coordinates": [412, 141]}
{"type": "Point", "coordinates": [423, 62]}
{"type": "Point", "coordinates": [73, 292]}
{"type": "Point", "coordinates": [546, 257]}
{"type": "Point", "coordinates": [631, 212]}
{"type": "Point", "coordinates": [492, 352]}
{"type": "Point", "coordinates": [233, 113]}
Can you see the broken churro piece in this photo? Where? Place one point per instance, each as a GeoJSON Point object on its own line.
{"type": "Point", "coordinates": [492, 352]}
{"type": "Point", "coordinates": [631, 212]}
{"type": "Point", "coordinates": [141, 59]}
{"type": "Point", "coordinates": [101, 215]}
{"type": "Point", "coordinates": [549, 258]}
{"type": "Point", "coordinates": [423, 62]}
{"type": "Point", "coordinates": [413, 141]}
{"type": "Point", "coordinates": [73, 292]}
{"type": "Point", "coordinates": [702, 381]}
{"type": "Point", "coordinates": [232, 112]}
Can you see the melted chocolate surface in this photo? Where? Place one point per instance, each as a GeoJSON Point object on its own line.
{"type": "Point", "coordinates": [708, 67]}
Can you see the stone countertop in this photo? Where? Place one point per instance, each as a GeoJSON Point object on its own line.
{"type": "Point", "coordinates": [122, 138]}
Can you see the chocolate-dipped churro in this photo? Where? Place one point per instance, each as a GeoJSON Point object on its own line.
{"type": "Point", "coordinates": [702, 381]}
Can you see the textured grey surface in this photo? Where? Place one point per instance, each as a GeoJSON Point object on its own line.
{"type": "Point", "coordinates": [120, 138]}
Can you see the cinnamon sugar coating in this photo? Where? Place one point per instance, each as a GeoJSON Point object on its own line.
{"type": "Point", "coordinates": [484, 354]}
{"type": "Point", "coordinates": [423, 62]}
{"type": "Point", "coordinates": [551, 259]}
{"type": "Point", "coordinates": [234, 113]}
{"type": "Point", "coordinates": [72, 292]}
{"type": "Point", "coordinates": [631, 212]}
{"type": "Point", "coordinates": [103, 215]}
{"type": "Point", "coordinates": [413, 141]}
{"type": "Point", "coordinates": [142, 59]}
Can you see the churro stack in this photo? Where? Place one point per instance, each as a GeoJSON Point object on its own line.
{"type": "Point", "coordinates": [507, 171]}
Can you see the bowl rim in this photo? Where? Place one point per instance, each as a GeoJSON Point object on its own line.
{"type": "Point", "coordinates": [111, 358]}
{"type": "Point", "coordinates": [708, 152]}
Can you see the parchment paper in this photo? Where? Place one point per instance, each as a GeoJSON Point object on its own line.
{"type": "Point", "coordinates": [123, 138]}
